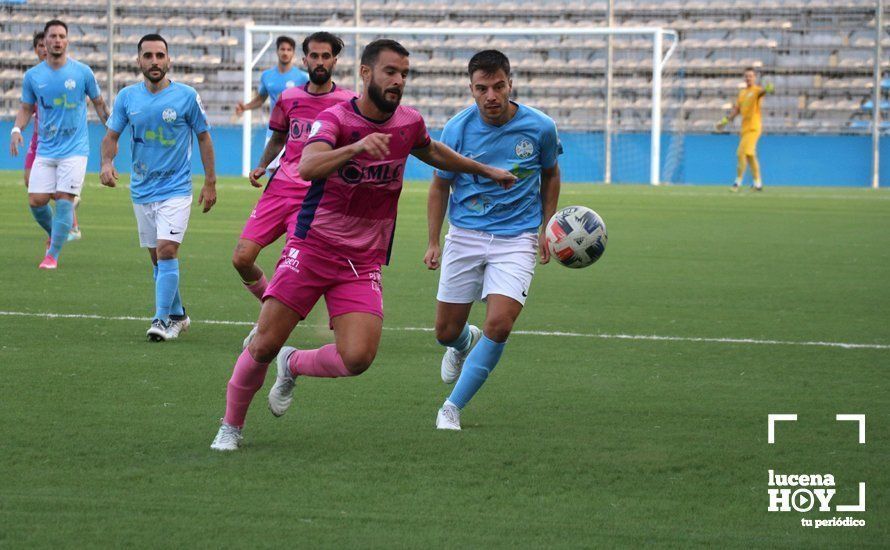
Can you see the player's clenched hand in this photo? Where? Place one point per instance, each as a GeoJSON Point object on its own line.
{"type": "Point", "coordinates": [502, 177]}
{"type": "Point", "coordinates": [208, 196]}
{"type": "Point", "coordinates": [431, 258]}
{"type": "Point", "coordinates": [108, 175]}
{"type": "Point", "coordinates": [14, 141]}
{"type": "Point", "coordinates": [256, 175]}
{"type": "Point", "coordinates": [240, 108]}
{"type": "Point", "coordinates": [543, 249]}
{"type": "Point", "coordinates": [375, 145]}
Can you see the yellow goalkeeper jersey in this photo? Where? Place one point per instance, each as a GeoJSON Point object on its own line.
{"type": "Point", "coordinates": [749, 107]}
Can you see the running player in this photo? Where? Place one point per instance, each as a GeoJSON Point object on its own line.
{"type": "Point", "coordinates": [748, 105]}
{"type": "Point", "coordinates": [58, 87]}
{"type": "Point", "coordinates": [162, 114]}
{"type": "Point", "coordinates": [275, 80]}
{"type": "Point", "coordinates": [494, 233]}
{"type": "Point", "coordinates": [275, 213]}
{"type": "Point", "coordinates": [355, 158]}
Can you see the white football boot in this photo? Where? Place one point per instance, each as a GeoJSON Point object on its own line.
{"type": "Point", "coordinates": [228, 438]}
{"type": "Point", "coordinates": [453, 360]}
{"type": "Point", "coordinates": [177, 326]}
{"type": "Point", "coordinates": [281, 395]}
{"type": "Point", "coordinates": [157, 332]}
{"type": "Point", "coordinates": [249, 337]}
{"type": "Point", "coordinates": [448, 417]}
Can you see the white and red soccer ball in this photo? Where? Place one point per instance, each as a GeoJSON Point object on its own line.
{"type": "Point", "coordinates": [576, 236]}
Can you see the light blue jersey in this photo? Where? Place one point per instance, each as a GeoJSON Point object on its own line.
{"type": "Point", "coordinates": [162, 126]}
{"type": "Point", "coordinates": [272, 82]}
{"type": "Point", "coordinates": [525, 145]}
{"type": "Point", "coordinates": [61, 100]}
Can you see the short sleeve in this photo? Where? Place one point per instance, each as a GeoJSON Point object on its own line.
{"type": "Point", "coordinates": [449, 138]}
{"type": "Point", "coordinates": [197, 117]}
{"type": "Point", "coordinates": [28, 90]}
{"type": "Point", "coordinates": [551, 147]}
{"type": "Point", "coordinates": [263, 90]}
{"type": "Point", "coordinates": [423, 137]}
{"type": "Point", "coordinates": [91, 85]}
{"type": "Point", "coordinates": [278, 118]}
{"type": "Point", "coordinates": [118, 120]}
{"type": "Point", "coordinates": [326, 129]}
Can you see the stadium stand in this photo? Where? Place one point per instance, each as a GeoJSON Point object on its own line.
{"type": "Point", "coordinates": [818, 53]}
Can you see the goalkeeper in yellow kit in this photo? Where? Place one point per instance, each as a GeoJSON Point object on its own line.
{"type": "Point", "coordinates": [748, 105]}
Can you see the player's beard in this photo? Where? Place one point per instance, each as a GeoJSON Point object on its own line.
{"type": "Point", "coordinates": [377, 96]}
{"type": "Point", "coordinates": [152, 77]}
{"type": "Point", "coordinates": [320, 76]}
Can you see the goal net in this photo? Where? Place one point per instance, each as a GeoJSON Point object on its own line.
{"type": "Point", "coordinates": [560, 71]}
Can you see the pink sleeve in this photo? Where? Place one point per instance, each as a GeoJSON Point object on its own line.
{"type": "Point", "coordinates": [423, 137]}
{"type": "Point", "coordinates": [278, 119]}
{"type": "Point", "coordinates": [326, 128]}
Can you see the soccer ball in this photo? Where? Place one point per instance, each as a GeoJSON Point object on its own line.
{"type": "Point", "coordinates": [576, 236]}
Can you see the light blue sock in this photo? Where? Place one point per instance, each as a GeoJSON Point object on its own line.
{"type": "Point", "coordinates": [479, 364]}
{"type": "Point", "coordinates": [166, 285]}
{"type": "Point", "coordinates": [62, 221]}
{"type": "Point", "coordinates": [44, 216]}
{"type": "Point", "coordinates": [177, 308]}
{"type": "Point", "coordinates": [462, 342]}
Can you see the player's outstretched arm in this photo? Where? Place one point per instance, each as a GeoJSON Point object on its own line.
{"type": "Point", "coordinates": [439, 155]}
{"type": "Point", "coordinates": [723, 122]}
{"type": "Point", "coordinates": [108, 175]}
{"type": "Point", "coordinates": [768, 88]}
{"type": "Point", "coordinates": [254, 103]}
{"type": "Point", "coordinates": [275, 145]}
{"type": "Point", "coordinates": [208, 159]}
{"type": "Point", "coordinates": [319, 159]}
{"type": "Point", "coordinates": [21, 121]}
{"type": "Point", "coordinates": [550, 184]}
{"type": "Point", "coordinates": [436, 205]}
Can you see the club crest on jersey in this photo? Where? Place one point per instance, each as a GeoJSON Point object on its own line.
{"type": "Point", "coordinates": [70, 84]}
{"type": "Point", "coordinates": [289, 84]}
{"type": "Point", "coordinates": [316, 126]}
{"type": "Point", "coordinates": [524, 148]}
{"type": "Point", "coordinates": [169, 115]}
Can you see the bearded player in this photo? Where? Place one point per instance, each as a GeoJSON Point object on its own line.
{"type": "Point", "coordinates": [355, 158]}
{"type": "Point", "coordinates": [276, 212]}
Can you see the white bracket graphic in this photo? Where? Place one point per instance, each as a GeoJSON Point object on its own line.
{"type": "Point", "coordinates": [854, 507]}
{"type": "Point", "coordinates": [771, 420]}
{"type": "Point", "coordinates": [855, 418]}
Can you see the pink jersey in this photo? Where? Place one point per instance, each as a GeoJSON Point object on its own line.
{"type": "Point", "coordinates": [294, 112]}
{"type": "Point", "coordinates": [352, 212]}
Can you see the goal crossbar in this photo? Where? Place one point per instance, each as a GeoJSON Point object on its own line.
{"type": "Point", "coordinates": [659, 60]}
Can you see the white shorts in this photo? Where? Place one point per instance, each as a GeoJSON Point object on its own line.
{"type": "Point", "coordinates": [277, 160]}
{"type": "Point", "coordinates": [476, 264]}
{"type": "Point", "coordinates": [57, 175]}
{"type": "Point", "coordinates": [163, 220]}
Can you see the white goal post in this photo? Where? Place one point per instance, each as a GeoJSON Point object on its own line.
{"type": "Point", "coordinates": [659, 59]}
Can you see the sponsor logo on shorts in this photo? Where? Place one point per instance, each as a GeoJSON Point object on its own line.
{"type": "Point", "coordinates": [376, 281]}
{"type": "Point", "coordinates": [290, 260]}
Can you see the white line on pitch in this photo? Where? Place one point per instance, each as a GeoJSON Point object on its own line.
{"type": "Point", "coordinates": [650, 337]}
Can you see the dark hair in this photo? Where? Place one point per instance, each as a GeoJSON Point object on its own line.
{"type": "Point", "coordinates": [53, 23]}
{"type": "Point", "coordinates": [335, 41]}
{"type": "Point", "coordinates": [38, 36]}
{"type": "Point", "coordinates": [372, 50]}
{"type": "Point", "coordinates": [285, 40]}
{"type": "Point", "coordinates": [489, 62]}
{"type": "Point", "coordinates": [150, 38]}
{"type": "Point", "coordinates": [752, 69]}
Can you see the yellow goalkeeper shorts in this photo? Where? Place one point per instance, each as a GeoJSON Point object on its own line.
{"type": "Point", "coordinates": [748, 143]}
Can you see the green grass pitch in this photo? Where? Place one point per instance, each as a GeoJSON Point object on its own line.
{"type": "Point", "coordinates": [582, 440]}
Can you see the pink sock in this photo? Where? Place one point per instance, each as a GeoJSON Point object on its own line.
{"type": "Point", "coordinates": [323, 362]}
{"type": "Point", "coordinates": [246, 379]}
{"type": "Point", "coordinates": [257, 288]}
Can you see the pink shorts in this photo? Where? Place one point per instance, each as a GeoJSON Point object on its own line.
{"type": "Point", "coordinates": [273, 216]}
{"type": "Point", "coordinates": [303, 275]}
{"type": "Point", "coordinates": [32, 152]}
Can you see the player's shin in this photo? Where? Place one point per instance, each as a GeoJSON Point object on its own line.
{"type": "Point", "coordinates": [247, 379]}
{"type": "Point", "coordinates": [479, 364]}
{"type": "Point", "coordinates": [43, 215]}
{"type": "Point", "coordinates": [258, 287]}
{"type": "Point", "coordinates": [324, 362]}
{"type": "Point", "coordinates": [176, 308]}
{"type": "Point", "coordinates": [462, 342]}
{"type": "Point", "coordinates": [61, 226]}
{"type": "Point", "coordinates": [166, 287]}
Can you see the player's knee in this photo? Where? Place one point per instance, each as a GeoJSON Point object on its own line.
{"type": "Point", "coordinates": [36, 202]}
{"type": "Point", "coordinates": [358, 361]}
{"type": "Point", "coordinates": [262, 349]}
{"type": "Point", "coordinates": [447, 331]}
{"type": "Point", "coordinates": [241, 261]}
{"type": "Point", "coordinates": [498, 328]}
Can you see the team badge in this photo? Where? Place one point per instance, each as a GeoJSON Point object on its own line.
{"type": "Point", "coordinates": [524, 148]}
{"type": "Point", "coordinates": [70, 84]}
{"type": "Point", "coordinates": [289, 84]}
{"type": "Point", "coordinates": [169, 115]}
